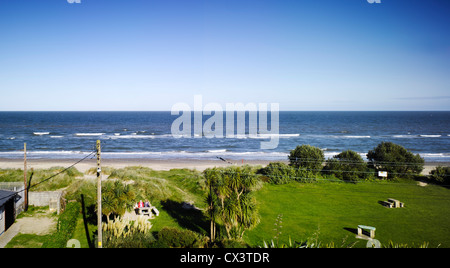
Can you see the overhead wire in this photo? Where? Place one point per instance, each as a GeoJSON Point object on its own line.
{"type": "Point", "coordinates": [51, 177]}
{"type": "Point", "coordinates": [64, 170]}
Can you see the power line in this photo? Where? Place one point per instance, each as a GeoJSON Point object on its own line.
{"type": "Point", "coordinates": [51, 177]}
{"type": "Point", "coordinates": [62, 171]}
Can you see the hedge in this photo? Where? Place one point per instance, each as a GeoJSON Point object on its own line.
{"type": "Point", "coordinates": [66, 225]}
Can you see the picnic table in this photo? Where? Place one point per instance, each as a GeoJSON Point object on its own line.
{"type": "Point", "coordinates": [396, 203]}
{"type": "Point", "coordinates": [369, 228]}
{"type": "Point", "coordinates": [145, 211]}
{"type": "Point", "coordinates": [392, 203]}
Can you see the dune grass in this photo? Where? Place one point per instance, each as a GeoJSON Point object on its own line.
{"type": "Point", "coordinates": [177, 184]}
{"type": "Point", "coordinates": [39, 177]}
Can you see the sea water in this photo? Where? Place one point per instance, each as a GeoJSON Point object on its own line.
{"type": "Point", "coordinates": [72, 135]}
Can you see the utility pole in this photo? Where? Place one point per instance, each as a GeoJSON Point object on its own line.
{"type": "Point", "coordinates": [99, 196]}
{"type": "Point", "coordinates": [25, 177]}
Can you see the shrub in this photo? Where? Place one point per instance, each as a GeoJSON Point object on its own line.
{"type": "Point", "coordinates": [135, 240]}
{"type": "Point", "coordinates": [347, 165]}
{"type": "Point", "coordinates": [176, 238]}
{"type": "Point", "coordinates": [441, 174]}
{"type": "Point", "coordinates": [124, 227]}
{"type": "Point", "coordinates": [308, 157]}
{"type": "Point", "coordinates": [395, 159]}
{"type": "Point", "coordinates": [279, 173]}
{"type": "Point", "coordinates": [125, 233]}
{"type": "Point", "coordinates": [65, 227]}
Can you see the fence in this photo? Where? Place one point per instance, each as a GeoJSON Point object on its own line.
{"type": "Point", "coordinates": [52, 199]}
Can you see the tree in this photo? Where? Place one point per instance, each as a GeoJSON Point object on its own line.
{"type": "Point", "coordinates": [441, 174]}
{"type": "Point", "coordinates": [116, 198]}
{"type": "Point", "coordinates": [307, 157]}
{"type": "Point", "coordinates": [347, 165]}
{"type": "Point", "coordinates": [230, 200]}
{"type": "Point", "coordinates": [212, 179]}
{"type": "Point", "coordinates": [395, 159]}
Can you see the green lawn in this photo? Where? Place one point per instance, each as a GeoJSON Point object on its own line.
{"type": "Point", "coordinates": [334, 210]}
{"type": "Point", "coordinates": [326, 210]}
{"type": "Point", "coordinates": [27, 241]}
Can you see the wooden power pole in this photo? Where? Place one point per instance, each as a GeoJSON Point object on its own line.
{"type": "Point", "coordinates": [25, 177]}
{"type": "Point", "coordinates": [99, 196]}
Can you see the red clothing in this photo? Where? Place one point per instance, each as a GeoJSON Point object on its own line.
{"type": "Point", "coordinates": [141, 204]}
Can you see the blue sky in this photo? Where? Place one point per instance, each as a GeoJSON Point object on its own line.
{"type": "Point", "coordinates": [151, 54]}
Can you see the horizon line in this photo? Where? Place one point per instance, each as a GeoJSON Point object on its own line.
{"type": "Point", "coordinates": [2, 111]}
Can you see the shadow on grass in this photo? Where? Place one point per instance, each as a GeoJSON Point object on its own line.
{"type": "Point", "coordinates": [189, 218]}
{"type": "Point", "coordinates": [87, 218]}
{"type": "Point", "coordinates": [352, 230]}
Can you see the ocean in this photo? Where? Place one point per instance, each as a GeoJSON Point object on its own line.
{"type": "Point", "coordinates": [72, 135]}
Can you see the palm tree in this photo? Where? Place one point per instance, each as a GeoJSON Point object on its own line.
{"type": "Point", "coordinates": [107, 200]}
{"type": "Point", "coordinates": [116, 198]}
{"type": "Point", "coordinates": [236, 209]}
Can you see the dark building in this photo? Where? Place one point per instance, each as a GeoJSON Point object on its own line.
{"type": "Point", "coordinates": [7, 209]}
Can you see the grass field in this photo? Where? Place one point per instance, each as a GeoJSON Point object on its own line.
{"type": "Point", "coordinates": [332, 211]}
{"type": "Point", "coordinates": [323, 211]}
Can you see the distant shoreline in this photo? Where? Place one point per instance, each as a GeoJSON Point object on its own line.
{"type": "Point", "coordinates": [156, 164]}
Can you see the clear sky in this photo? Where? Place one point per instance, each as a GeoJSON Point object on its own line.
{"type": "Point", "coordinates": [151, 54]}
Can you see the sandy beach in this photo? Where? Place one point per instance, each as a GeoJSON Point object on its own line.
{"type": "Point", "coordinates": [155, 164]}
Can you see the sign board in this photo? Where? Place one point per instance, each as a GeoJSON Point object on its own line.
{"type": "Point", "coordinates": [382, 174]}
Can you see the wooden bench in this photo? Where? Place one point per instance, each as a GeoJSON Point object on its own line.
{"type": "Point", "coordinates": [369, 228]}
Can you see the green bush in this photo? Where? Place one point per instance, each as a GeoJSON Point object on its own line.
{"type": "Point", "coordinates": [307, 157]}
{"type": "Point", "coordinates": [66, 225]}
{"type": "Point", "coordinates": [169, 237]}
{"type": "Point", "coordinates": [279, 173]}
{"type": "Point", "coordinates": [135, 240]}
{"type": "Point", "coordinates": [347, 165]}
{"type": "Point", "coordinates": [395, 159]}
{"type": "Point", "coordinates": [441, 174]}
